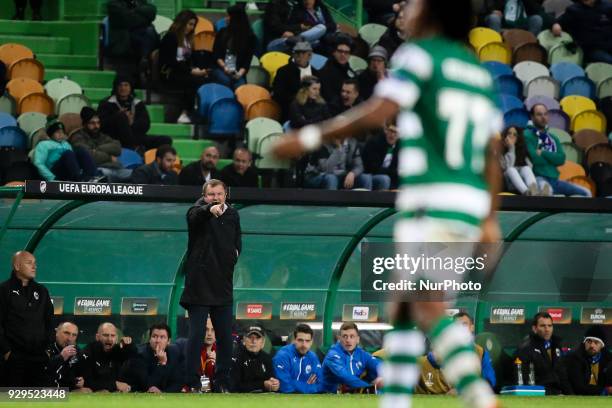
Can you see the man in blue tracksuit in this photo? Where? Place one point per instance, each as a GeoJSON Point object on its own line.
{"type": "Point", "coordinates": [297, 368]}
{"type": "Point", "coordinates": [345, 363]}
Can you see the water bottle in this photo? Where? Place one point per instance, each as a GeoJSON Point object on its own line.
{"type": "Point", "coordinates": [531, 374]}
{"type": "Point", "coordinates": [519, 371]}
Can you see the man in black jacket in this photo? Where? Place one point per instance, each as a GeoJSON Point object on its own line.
{"type": "Point", "coordinates": [380, 157]}
{"type": "Point", "coordinates": [131, 32]}
{"type": "Point", "coordinates": [337, 68]}
{"type": "Point", "coordinates": [213, 249]}
{"type": "Point", "coordinates": [158, 172]}
{"type": "Point", "coordinates": [198, 173]}
{"type": "Point", "coordinates": [377, 71]}
{"type": "Point", "coordinates": [276, 24]}
{"type": "Point", "coordinates": [350, 96]}
{"type": "Point", "coordinates": [289, 77]}
{"type": "Point", "coordinates": [240, 173]}
{"type": "Point", "coordinates": [588, 369]}
{"type": "Point", "coordinates": [590, 24]}
{"type": "Point", "coordinates": [125, 118]}
{"type": "Point", "coordinates": [26, 315]}
{"type": "Point", "coordinates": [65, 359]}
{"type": "Point", "coordinates": [543, 349]}
{"type": "Point", "coordinates": [161, 362]}
{"type": "Point", "coordinates": [252, 369]}
{"type": "Point", "coordinates": [104, 359]}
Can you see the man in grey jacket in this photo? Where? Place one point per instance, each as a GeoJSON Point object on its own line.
{"type": "Point", "coordinates": [336, 166]}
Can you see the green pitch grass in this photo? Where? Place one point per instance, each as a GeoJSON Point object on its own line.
{"type": "Point", "coordinates": [293, 401]}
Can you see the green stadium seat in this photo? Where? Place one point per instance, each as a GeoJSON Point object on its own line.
{"type": "Point", "coordinates": [258, 128]}
{"type": "Point", "coordinates": [191, 148]}
{"type": "Point", "coordinates": [548, 40]}
{"type": "Point", "coordinates": [85, 78]}
{"type": "Point", "coordinates": [559, 53]}
{"type": "Point", "coordinates": [173, 130]}
{"type": "Point", "coordinates": [371, 33]}
{"type": "Point", "coordinates": [605, 88]}
{"type": "Point", "coordinates": [357, 63]}
{"type": "Point", "coordinates": [572, 152]}
{"type": "Point", "coordinates": [258, 76]}
{"type": "Point", "coordinates": [8, 104]}
{"type": "Point", "coordinates": [58, 88]}
{"type": "Point", "coordinates": [562, 135]}
{"type": "Point", "coordinates": [598, 71]}
{"type": "Point", "coordinates": [156, 113]}
{"type": "Point", "coordinates": [266, 159]}
{"type": "Point", "coordinates": [162, 24]}
{"type": "Point", "coordinates": [30, 122]}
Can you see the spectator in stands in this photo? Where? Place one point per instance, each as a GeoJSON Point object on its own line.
{"type": "Point", "coordinates": [131, 33]}
{"type": "Point", "coordinates": [546, 154]}
{"type": "Point", "coordinates": [125, 117]}
{"type": "Point", "coordinates": [233, 49]}
{"type": "Point", "coordinates": [104, 359]}
{"type": "Point", "coordinates": [297, 368]}
{"type": "Point", "coordinates": [277, 28]}
{"type": "Point", "coordinates": [213, 249]}
{"type": "Point", "coordinates": [524, 14]}
{"type": "Point", "coordinates": [379, 11]}
{"type": "Point", "coordinates": [516, 165]}
{"type": "Point", "coordinates": [487, 371]}
{"type": "Point", "coordinates": [20, 7]}
{"type": "Point", "coordinates": [590, 24]}
{"type": "Point", "coordinates": [55, 158]}
{"type": "Point", "coordinates": [314, 20]}
{"type": "Point", "coordinates": [337, 165]}
{"type": "Point", "coordinates": [395, 35]}
{"type": "Point", "coordinates": [308, 106]}
{"type": "Point", "coordinates": [346, 362]}
{"type": "Point", "coordinates": [289, 77]}
{"type": "Point", "coordinates": [240, 173]}
{"type": "Point", "coordinates": [208, 355]}
{"type": "Point", "coordinates": [252, 369]}
{"type": "Point", "coordinates": [159, 171]}
{"type": "Point", "coordinates": [380, 157]}
{"type": "Point", "coordinates": [350, 95]}
{"type": "Point", "coordinates": [65, 359]}
{"type": "Point", "coordinates": [337, 68]}
{"type": "Point", "coordinates": [161, 363]}
{"type": "Point", "coordinates": [199, 172]}
{"type": "Point", "coordinates": [104, 149]}
{"type": "Point", "coordinates": [26, 313]}
{"type": "Point", "coordinates": [176, 64]}
{"type": "Point", "coordinates": [542, 349]}
{"type": "Point", "coordinates": [377, 70]}
{"type": "Point", "coordinates": [588, 369]}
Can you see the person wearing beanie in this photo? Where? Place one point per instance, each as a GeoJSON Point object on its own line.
{"type": "Point", "coordinates": [104, 149]}
{"type": "Point", "coordinates": [233, 49]}
{"type": "Point", "coordinates": [125, 118]}
{"type": "Point", "coordinates": [337, 68]}
{"type": "Point", "coordinates": [56, 160]}
{"type": "Point", "coordinates": [395, 34]}
{"type": "Point", "coordinates": [587, 370]}
{"type": "Point", "coordinates": [377, 71]}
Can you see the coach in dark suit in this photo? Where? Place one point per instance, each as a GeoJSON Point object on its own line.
{"type": "Point", "coordinates": [212, 252]}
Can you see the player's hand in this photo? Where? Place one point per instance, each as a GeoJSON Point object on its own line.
{"type": "Point", "coordinates": [349, 180]}
{"type": "Point", "coordinates": [217, 210]}
{"type": "Point", "coordinates": [125, 341]}
{"type": "Point", "coordinates": [378, 383]}
{"type": "Point", "coordinates": [490, 231]}
{"type": "Point", "coordinates": [162, 357]}
{"type": "Point", "coordinates": [68, 352]}
{"type": "Point", "coordinates": [312, 379]}
{"type": "Point", "coordinates": [154, 390]}
{"type": "Point", "coordinates": [289, 147]}
{"type": "Point", "coordinates": [212, 355]}
{"type": "Point", "coordinates": [122, 387]}
{"type": "Point", "coordinates": [80, 382]}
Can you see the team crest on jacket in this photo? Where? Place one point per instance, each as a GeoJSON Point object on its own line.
{"type": "Point", "coordinates": [358, 364]}
{"type": "Point", "coordinates": [36, 295]}
{"type": "Point", "coordinates": [308, 369]}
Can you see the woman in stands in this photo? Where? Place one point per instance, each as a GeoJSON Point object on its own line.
{"type": "Point", "coordinates": [309, 106]}
{"type": "Point", "coordinates": [176, 63]}
{"type": "Point", "coordinates": [56, 160]}
{"type": "Point", "coordinates": [233, 49]}
{"type": "Point", "coordinates": [516, 165]}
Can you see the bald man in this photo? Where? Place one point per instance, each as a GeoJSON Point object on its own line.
{"type": "Point", "coordinates": [65, 365]}
{"type": "Point", "coordinates": [198, 173]}
{"type": "Point", "coordinates": [240, 173]}
{"type": "Point", "coordinates": [105, 359]}
{"type": "Point", "coordinates": [26, 329]}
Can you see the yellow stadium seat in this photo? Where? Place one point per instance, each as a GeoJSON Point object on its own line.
{"type": "Point", "coordinates": [480, 36]}
{"type": "Point", "coordinates": [266, 108]}
{"type": "Point", "coordinates": [496, 51]}
{"type": "Point", "coordinates": [590, 119]}
{"type": "Point", "coordinates": [204, 41]}
{"type": "Point", "coordinates": [36, 102]}
{"type": "Point", "coordinates": [248, 93]}
{"type": "Point", "coordinates": [570, 169]}
{"type": "Point", "coordinates": [11, 52]}
{"type": "Point", "coordinates": [204, 24]}
{"type": "Point", "coordinates": [20, 87]}
{"type": "Point", "coordinates": [27, 68]}
{"type": "Point", "coordinates": [574, 104]}
{"type": "Point", "coordinates": [272, 61]}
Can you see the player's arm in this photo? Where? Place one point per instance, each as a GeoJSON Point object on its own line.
{"type": "Point", "coordinates": [370, 114]}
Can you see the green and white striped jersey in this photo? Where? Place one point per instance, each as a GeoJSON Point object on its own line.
{"type": "Point", "coordinates": [448, 115]}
